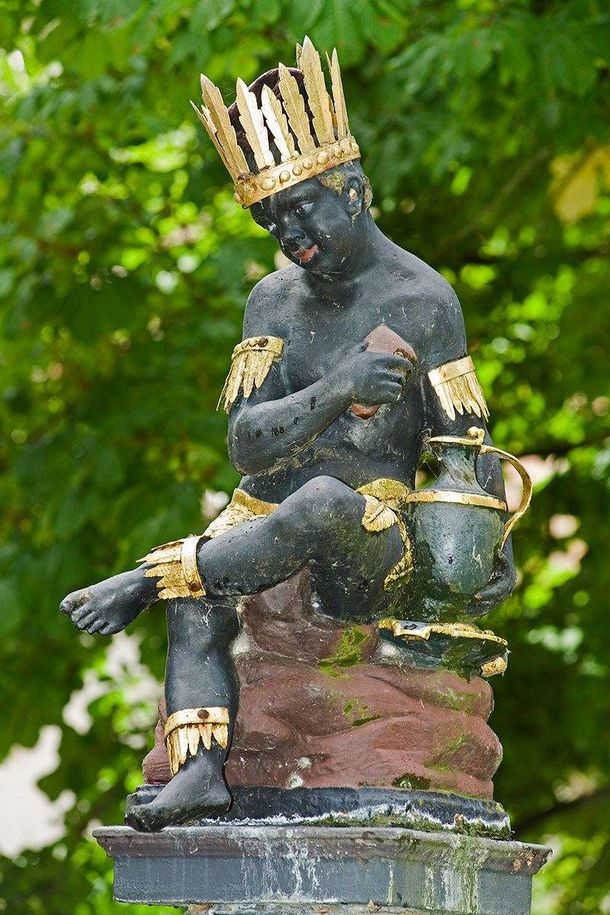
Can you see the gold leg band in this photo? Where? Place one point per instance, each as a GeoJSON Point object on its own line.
{"type": "Point", "coordinates": [187, 729]}
{"type": "Point", "coordinates": [175, 566]}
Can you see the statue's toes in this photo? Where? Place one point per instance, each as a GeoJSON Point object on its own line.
{"type": "Point", "coordinates": [80, 612]}
{"type": "Point", "coordinates": [144, 818]}
{"type": "Point", "coordinates": [84, 620]}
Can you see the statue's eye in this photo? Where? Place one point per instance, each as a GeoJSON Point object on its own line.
{"type": "Point", "coordinates": [301, 209]}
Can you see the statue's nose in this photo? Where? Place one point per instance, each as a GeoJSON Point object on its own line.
{"type": "Point", "coordinates": [291, 234]}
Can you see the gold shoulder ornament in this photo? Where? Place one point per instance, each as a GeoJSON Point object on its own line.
{"type": "Point", "coordinates": [458, 389]}
{"type": "Point", "coordinates": [250, 364]}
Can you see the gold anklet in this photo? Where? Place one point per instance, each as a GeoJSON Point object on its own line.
{"type": "Point", "coordinates": [187, 728]}
{"type": "Point", "coordinates": [175, 566]}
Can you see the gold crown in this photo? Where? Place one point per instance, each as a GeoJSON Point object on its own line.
{"type": "Point", "coordinates": [303, 151]}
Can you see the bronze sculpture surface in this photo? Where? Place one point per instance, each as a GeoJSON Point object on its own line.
{"type": "Point", "coordinates": [353, 363]}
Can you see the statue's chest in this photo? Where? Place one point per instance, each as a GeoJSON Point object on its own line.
{"type": "Point", "coordinates": [314, 348]}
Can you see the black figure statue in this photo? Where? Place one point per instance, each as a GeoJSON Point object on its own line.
{"type": "Point", "coordinates": [352, 360]}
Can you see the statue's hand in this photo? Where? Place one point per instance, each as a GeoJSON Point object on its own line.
{"type": "Point", "coordinates": [371, 378]}
{"type": "Point", "coordinates": [497, 589]}
{"type": "Point", "coordinates": [112, 604]}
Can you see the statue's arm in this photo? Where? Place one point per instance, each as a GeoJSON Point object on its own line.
{"type": "Point", "coordinates": [454, 402]}
{"type": "Point", "coordinates": [269, 422]}
{"type": "Point", "coordinates": [270, 426]}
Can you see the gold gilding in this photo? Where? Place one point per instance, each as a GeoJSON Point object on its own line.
{"type": "Point", "coordinates": [459, 498]}
{"type": "Point", "coordinates": [457, 388]}
{"type": "Point", "coordinates": [242, 507]}
{"type": "Point", "coordinates": [187, 728]}
{"type": "Point", "coordinates": [377, 515]}
{"type": "Point", "coordinates": [305, 149]}
{"type": "Point", "coordinates": [491, 668]}
{"type": "Point", "coordinates": [526, 481]}
{"type": "Point", "coordinates": [422, 632]}
{"type": "Point", "coordinates": [384, 499]}
{"type": "Point", "coordinates": [174, 564]}
{"type": "Point", "coordinates": [250, 364]}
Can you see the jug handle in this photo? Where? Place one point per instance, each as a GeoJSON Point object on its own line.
{"type": "Point", "coordinates": [526, 487]}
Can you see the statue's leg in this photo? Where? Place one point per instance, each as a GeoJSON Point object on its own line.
{"type": "Point", "coordinates": [200, 676]}
{"type": "Point", "coordinates": [319, 525]}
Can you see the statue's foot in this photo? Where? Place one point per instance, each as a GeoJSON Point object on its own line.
{"type": "Point", "coordinates": [110, 605]}
{"type": "Point", "coordinates": [197, 790]}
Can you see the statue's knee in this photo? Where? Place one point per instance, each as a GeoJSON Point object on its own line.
{"type": "Point", "coordinates": [311, 507]}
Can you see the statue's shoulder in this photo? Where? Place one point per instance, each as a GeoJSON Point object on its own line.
{"type": "Point", "coordinates": [269, 301]}
{"type": "Point", "coordinates": [432, 302]}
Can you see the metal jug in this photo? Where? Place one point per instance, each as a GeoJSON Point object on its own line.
{"type": "Point", "coordinates": [458, 527]}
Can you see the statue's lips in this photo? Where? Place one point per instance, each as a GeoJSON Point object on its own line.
{"type": "Point", "coordinates": [304, 255]}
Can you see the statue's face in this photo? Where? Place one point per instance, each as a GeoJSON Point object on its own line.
{"type": "Point", "coordinates": [312, 224]}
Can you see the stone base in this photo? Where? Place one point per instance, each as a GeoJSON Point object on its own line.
{"type": "Point", "coordinates": [235, 869]}
{"type": "Point", "coordinates": [424, 810]}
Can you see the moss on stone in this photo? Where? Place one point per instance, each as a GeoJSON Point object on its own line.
{"type": "Point", "coordinates": [412, 781]}
{"type": "Point", "coordinates": [348, 652]}
{"type": "Point", "coordinates": [444, 758]}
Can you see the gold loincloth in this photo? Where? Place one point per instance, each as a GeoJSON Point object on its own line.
{"type": "Point", "coordinates": [385, 501]}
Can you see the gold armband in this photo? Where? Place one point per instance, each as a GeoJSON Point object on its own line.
{"type": "Point", "coordinates": [175, 566]}
{"type": "Point", "coordinates": [458, 389]}
{"type": "Point", "coordinates": [186, 729]}
{"type": "Point", "coordinates": [250, 364]}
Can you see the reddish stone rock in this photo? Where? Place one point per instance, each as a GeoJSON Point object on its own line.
{"type": "Point", "coordinates": [323, 705]}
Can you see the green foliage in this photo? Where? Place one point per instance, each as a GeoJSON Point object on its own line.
{"type": "Point", "coordinates": [124, 267]}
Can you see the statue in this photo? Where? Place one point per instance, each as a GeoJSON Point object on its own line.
{"type": "Point", "coordinates": [353, 363]}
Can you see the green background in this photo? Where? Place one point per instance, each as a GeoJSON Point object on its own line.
{"type": "Point", "coordinates": [124, 268]}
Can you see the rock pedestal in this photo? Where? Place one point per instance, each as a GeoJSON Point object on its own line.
{"type": "Point", "coordinates": [326, 703]}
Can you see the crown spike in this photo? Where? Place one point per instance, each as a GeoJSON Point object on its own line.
{"type": "Point", "coordinates": [225, 133]}
{"type": "Point", "coordinates": [319, 100]}
{"type": "Point", "coordinates": [299, 53]}
{"type": "Point", "coordinates": [338, 95]}
{"type": "Point", "coordinates": [294, 106]}
{"type": "Point", "coordinates": [204, 116]}
{"type": "Point", "coordinates": [254, 125]}
{"type": "Point", "coordinates": [277, 123]}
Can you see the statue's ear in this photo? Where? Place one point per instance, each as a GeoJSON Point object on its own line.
{"type": "Point", "coordinates": [354, 194]}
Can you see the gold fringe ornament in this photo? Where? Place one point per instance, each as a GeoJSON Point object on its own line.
{"type": "Point", "coordinates": [457, 388]}
{"type": "Point", "coordinates": [377, 515]}
{"type": "Point", "coordinates": [385, 499]}
{"type": "Point", "coordinates": [250, 364]}
{"type": "Point", "coordinates": [174, 564]}
{"type": "Point", "coordinates": [186, 729]}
